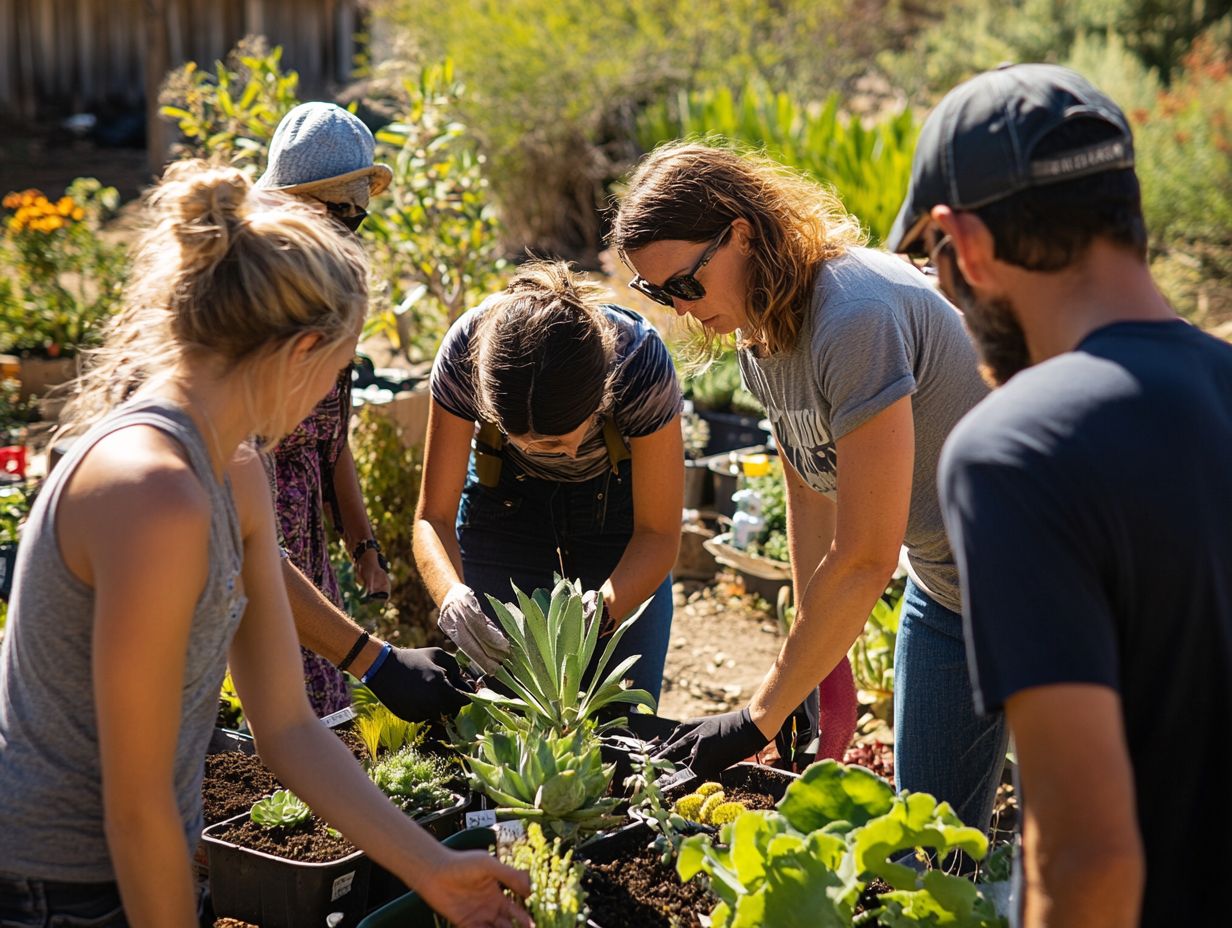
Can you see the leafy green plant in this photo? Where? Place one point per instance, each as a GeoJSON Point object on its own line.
{"type": "Point", "coordinates": [557, 84]}
{"type": "Point", "coordinates": [281, 809]}
{"type": "Point", "coordinates": [63, 279]}
{"type": "Point", "coordinates": [872, 655]}
{"type": "Point", "coordinates": [388, 474]}
{"type": "Point", "coordinates": [382, 731]}
{"type": "Point", "coordinates": [557, 899]}
{"type": "Point", "coordinates": [231, 112]}
{"type": "Point", "coordinates": [416, 781]}
{"type": "Point", "coordinates": [836, 829]}
{"type": "Point", "coordinates": [230, 711]}
{"type": "Point", "coordinates": [717, 387]}
{"type": "Point", "coordinates": [867, 165]}
{"type": "Point", "coordinates": [559, 780]}
{"type": "Point", "coordinates": [553, 643]}
{"type": "Point", "coordinates": [647, 802]}
{"type": "Point", "coordinates": [434, 235]}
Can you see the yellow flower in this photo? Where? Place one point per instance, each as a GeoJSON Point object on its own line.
{"type": "Point", "coordinates": [65, 206]}
{"type": "Point", "coordinates": [29, 197]}
{"type": "Point", "coordinates": [53, 222]}
{"type": "Point", "coordinates": [78, 214]}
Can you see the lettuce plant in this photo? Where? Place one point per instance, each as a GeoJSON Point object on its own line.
{"type": "Point", "coordinates": [281, 808]}
{"type": "Point", "coordinates": [835, 829]}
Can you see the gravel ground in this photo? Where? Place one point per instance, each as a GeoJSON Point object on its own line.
{"type": "Point", "coordinates": [723, 643]}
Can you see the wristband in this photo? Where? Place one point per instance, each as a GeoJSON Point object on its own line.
{"type": "Point", "coordinates": [354, 652]}
{"type": "Point", "coordinates": [368, 543]}
{"type": "Point", "coordinates": [376, 664]}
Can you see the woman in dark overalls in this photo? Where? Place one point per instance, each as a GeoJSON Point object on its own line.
{"type": "Point", "coordinates": [572, 408]}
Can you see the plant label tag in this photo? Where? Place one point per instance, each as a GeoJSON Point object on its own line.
{"type": "Point", "coordinates": [333, 720]}
{"type": "Point", "coordinates": [484, 818]}
{"type": "Point", "coordinates": [342, 886]}
{"type": "Point", "coordinates": [509, 832]}
{"type": "Point", "coordinates": [682, 775]}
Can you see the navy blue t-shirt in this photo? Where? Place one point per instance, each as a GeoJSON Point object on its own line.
{"type": "Point", "coordinates": [1089, 505]}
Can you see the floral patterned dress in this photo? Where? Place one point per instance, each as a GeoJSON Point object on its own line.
{"type": "Point", "coordinates": [301, 473]}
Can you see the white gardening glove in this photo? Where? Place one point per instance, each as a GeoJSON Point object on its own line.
{"type": "Point", "coordinates": [477, 636]}
{"type": "Point", "coordinates": [592, 602]}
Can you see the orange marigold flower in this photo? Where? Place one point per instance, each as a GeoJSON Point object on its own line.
{"type": "Point", "coordinates": [64, 206]}
{"type": "Point", "coordinates": [29, 197]}
{"type": "Point", "coordinates": [78, 214]}
{"type": "Point", "coordinates": [12, 200]}
{"type": "Point", "coordinates": [53, 222]}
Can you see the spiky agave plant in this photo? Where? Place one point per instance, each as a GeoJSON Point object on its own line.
{"type": "Point", "coordinates": [557, 780]}
{"type": "Point", "coordinates": [553, 642]}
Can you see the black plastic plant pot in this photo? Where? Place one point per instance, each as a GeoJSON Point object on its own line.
{"type": "Point", "coordinates": [410, 911]}
{"type": "Point", "coordinates": [383, 886]}
{"type": "Point", "coordinates": [758, 778]}
{"type": "Point", "coordinates": [274, 892]}
{"type": "Point", "coordinates": [729, 430]}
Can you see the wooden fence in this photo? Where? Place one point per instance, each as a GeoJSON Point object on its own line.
{"type": "Point", "coordinates": [59, 56]}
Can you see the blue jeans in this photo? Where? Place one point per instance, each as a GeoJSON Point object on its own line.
{"type": "Point", "coordinates": [940, 745]}
{"type": "Point", "coordinates": [47, 904]}
{"type": "Point", "coordinates": [526, 529]}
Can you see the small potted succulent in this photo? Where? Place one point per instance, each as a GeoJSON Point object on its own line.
{"type": "Point", "coordinates": [279, 866]}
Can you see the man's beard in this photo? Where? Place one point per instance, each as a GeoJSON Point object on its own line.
{"type": "Point", "coordinates": [1001, 342]}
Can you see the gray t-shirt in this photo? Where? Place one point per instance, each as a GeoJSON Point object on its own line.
{"type": "Point", "coordinates": [876, 331]}
{"type": "Point", "coordinates": [51, 804]}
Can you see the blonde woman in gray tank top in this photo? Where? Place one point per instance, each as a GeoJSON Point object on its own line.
{"type": "Point", "coordinates": [150, 562]}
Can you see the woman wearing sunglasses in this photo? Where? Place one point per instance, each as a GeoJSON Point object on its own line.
{"type": "Point", "coordinates": [323, 154]}
{"type": "Point", "coordinates": [863, 369]}
{"type": "Point", "coordinates": [554, 447]}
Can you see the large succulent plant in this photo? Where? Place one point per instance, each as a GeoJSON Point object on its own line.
{"type": "Point", "coordinates": [557, 780]}
{"type": "Point", "coordinates": [553, 641]}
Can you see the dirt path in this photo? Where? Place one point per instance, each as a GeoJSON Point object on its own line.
{"type": "Point", "coordinates": [722, 644]}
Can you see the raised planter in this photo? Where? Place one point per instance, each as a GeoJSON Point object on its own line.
{"type": "Point", "coordinates": [761, 575]}
{"type": "Point", "coordinates": [275, 892]}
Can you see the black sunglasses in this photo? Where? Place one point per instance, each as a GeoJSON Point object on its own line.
{"type": "Point", "coordinates": [343, 213]}
{"type": "Point", "coordinates": [681, 286]}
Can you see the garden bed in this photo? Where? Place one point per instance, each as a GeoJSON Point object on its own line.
{"type": "Point", "coordinates": [628, 885]}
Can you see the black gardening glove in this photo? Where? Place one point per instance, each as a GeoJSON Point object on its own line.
{"type": "Point", "coordinates": [797, 739]}
{"type": "Point", "coordinates": [711, 745]}
{"type": "Point", "coordinates": [420, 684]}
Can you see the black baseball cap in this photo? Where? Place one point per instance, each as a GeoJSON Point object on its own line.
{"type": "Point", "coordinates": [976, 147]}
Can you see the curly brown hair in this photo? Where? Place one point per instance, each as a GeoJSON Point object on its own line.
{"type": "Point", "coordinates": [690, 191]}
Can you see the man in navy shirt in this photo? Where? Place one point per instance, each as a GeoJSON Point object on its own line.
{"type": "Point", "coordinates": [1088, 499]}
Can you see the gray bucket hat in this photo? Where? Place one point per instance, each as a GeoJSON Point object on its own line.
{"type": "Point", "coordinates": [320, 147]}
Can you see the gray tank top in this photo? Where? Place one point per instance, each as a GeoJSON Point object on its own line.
{"type": "Point", "coordinates": [51, 811]}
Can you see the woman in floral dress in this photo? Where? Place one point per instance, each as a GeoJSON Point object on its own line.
{"type": "Point", "coordinates": [323, 153]}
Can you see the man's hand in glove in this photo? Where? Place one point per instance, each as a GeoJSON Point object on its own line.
{"type": "Point", "coordinates": [471, 630]}
{"type": "Point", "coordinates": [713, 744]}
{"type": "Point", "coordinates": [420, 684]}
{"type": "Point", "coordinates": [797, 739]}
{"type": "Point", "coordinates": [593, 602]}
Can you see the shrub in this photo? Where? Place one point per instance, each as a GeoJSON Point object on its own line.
{"type": "Point", "coordinates": [557, 84]}
{"type": "Point", "coordinates": [974, 35]}
{"type": "Point", "coordinates": [868, 166]}
{"type": "Point", "coordinates": [389, 478]}
{"type": "Point", "coordinates": [434, 235]}
{"type": "Point", "coordinates": [1184, 145]}
{"type": "Point", "coordinates": [231, 112]}
{"type": "Point", "coordinates": [62, 279]}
